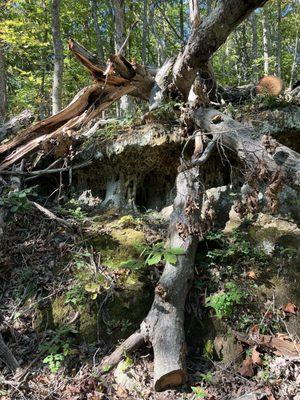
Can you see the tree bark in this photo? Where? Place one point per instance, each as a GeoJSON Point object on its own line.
{"type": "Point", "coordinates": [265, 43]}
{"type": "Point", "coordinates": [15, 124]}
{"type": "Point", "coordinates": [278, 41]}
{"type": "Point", "coordinates": [254, 46]}
{"type": "Point", "coordinates": [58, 58]}
{"type": "Point", "coordinates": [99, 47]}
{"type": "Point", "coordinates": [204, 41]}
{"type": "Point", "coordinates": [240, 139]}
{"type": "Point", "coordinates": [3, 87]}
{"type": "Point", "coordinates": [295, 60]}
{"type": "Point", "coordinates": [119, 14]}
{"type": "Point", "coordinates": [164, 325]}
{"type": "Point", "coordinates": [145, 31]}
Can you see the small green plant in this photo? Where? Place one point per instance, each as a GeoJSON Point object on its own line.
{"type": "Point", "coordinates": [208, 377]}
{"type": "Point", "coordinates": [57, 350]}
{"type": "Point", "coordinates": [75, 295]}
{"type": "Point", "coordinates": [95, 287]}
{"type": "Point", "coordinates": [17, 202]}
{"type": "Point", "coordinates": [209, 348]}
{"type": "Point", "coordinates": [199, 392]}
{"type": "Point", "coordinates": [153, 255]}
{"type": "Point", "coordinates": [127, 363]}
{"type": "Point", "coordinates": [127, 221]}
{"type": "Point", "coordinates": [73, 210]}
{"type": "Point", "coordinates": [55, 359]}
{"type": "Point", "coordinates": [224, 301]}
{"type": "Point", "coordinates": [158, 252]}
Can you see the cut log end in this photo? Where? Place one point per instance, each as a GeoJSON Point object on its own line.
{"type": "Point", "coordinates": [170, 380]}
{"type": "Point", "coordinates": [270, 85]}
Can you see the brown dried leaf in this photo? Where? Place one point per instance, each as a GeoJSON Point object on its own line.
{"type": "Point", "coordinates": [290, 308]}
{"type": "Point", "coordinates": [256, 357]}
{"type": "Point", "coordinates": [217, 119]}
{"type": "Point", "coordinates": [246, 369]}
{"type": "Point", "coordinates": [251, 274]}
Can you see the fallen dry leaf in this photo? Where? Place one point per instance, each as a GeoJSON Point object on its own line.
{"type": "Point", "coordinates": [217, 119]}
{"type": "Point", "coordinates": [251, 274]}
{"type": "Point", "coordinates": [256, 357]}
{"type": "Point", "coordinates": [246, 369]}
{"type": "Point", "coordinates": [290, 308]}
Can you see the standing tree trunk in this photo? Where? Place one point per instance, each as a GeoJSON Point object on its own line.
{"type": "Point", "coordinates": [265, 43]}
{"type": "Point", "coordinates": [295, 60]}
{"type": "Point", "coordinates": [278, 42]}
{"type": "Point", "coordinates": [99, 47]}
{"type": "Point", "coordinates": [254, 46]}
{"type": "Point", "coordinates": [125, 102]}
{"type": "Point", "coordinates": [3, 94]}
{"type": "Point", "coordinates": [58, 58]}
{"type": "Point", "coordinates": [181, 22]}
{"type": "Point", "coordinates": [145, 30]}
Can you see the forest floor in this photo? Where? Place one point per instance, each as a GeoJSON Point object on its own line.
{"type": "Point", "coordinates": [69, 295]}
{"type": "Point", "coordinates": [39, 266]}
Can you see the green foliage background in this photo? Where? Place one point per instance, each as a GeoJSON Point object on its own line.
{"type": "Point", "coordinates": [25, 34]}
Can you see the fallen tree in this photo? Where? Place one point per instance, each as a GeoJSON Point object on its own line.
{"type": "Point", "coordinates": [163, 327]}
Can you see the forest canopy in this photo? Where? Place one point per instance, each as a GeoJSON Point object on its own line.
{"type": "Point", "coordinates": [263, 44]}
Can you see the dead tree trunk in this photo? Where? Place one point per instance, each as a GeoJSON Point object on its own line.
{"type": "Point", "coordinates": [164, 325]}
{"type": "Point", "coordinates": [16, 124]}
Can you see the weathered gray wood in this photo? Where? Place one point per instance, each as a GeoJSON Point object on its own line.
{"type": "Point", "coordinates": [133, 342]}
{"type": "Point", "coordinates": [15, 124]}
{"type": "Point", "coordinates": [205, 40]}
{"type": "Point", "coordinates": [243, 140]}
{"type": "Point", "coordinates": [164, 325]}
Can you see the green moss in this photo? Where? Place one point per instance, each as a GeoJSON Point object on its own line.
{"type": "Point", "coordinates": [88, 324]}
{"type": "Point", "coordinates": [60, 311]}
{"type": "Point", "coordinates": [119, 246]}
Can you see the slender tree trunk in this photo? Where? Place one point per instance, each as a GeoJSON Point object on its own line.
{"type": "Point", "coordinates": [194, 13]}
{"type": "Point", "coordinates": [278, 41]}
{"type": "Point", "coordinates": [265, 44]}
{"type": "Point", "coordinates": [145, 31]}
{"type": "Point", "coordinates": [3, 93]}
{"type": "Point", "coordinates": [254, 46]}
{"type": "Point", "coordinates": [125, 102]}
{"type": "Point", "coordinates": [119, 24]}
{"type": "Point", "coordinates": [295, 60]}
{"type": "Point", "coordinates": [99, 47]}
{"type": "Point", "coordinates": [181, 21]}
{"type": "Point", "coordinates": [58, 58]}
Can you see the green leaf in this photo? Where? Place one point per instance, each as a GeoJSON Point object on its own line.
{"type": "Point", "coordinates": [178, 251]}
{"type": "Point", "coordinates": [132, 264]}
{"type": "Point", "coordinates": [170, 258]}
{"type": "Point", "coordinates": [92, 287]}
{"type": "Point", "coordinates": [154, 259]}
